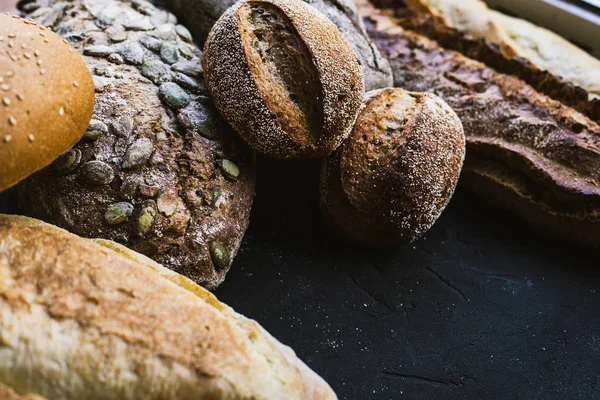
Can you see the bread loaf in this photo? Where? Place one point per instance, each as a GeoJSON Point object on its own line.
{"type": "Point", "coordinates": [200, 16]}
{"type": "Point", "coordinates": [46, 98]}
{"type": "Point", "coordinates": [284, 77]}
{"type": "Point", "coordinates": [517, 37]}
{"type": "Point", "coordinates": [85, 320]}
{"type": "Point", "coordinates": [157, 169]}
{"type": "Point", "coordinates": [393, 177]}
{"type": "Point", "coordinates": [525, 151]}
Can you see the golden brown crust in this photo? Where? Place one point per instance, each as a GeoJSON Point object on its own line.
{"type": "Point", "coordinates": [46, 98]}
{"type": "Point", "coordinates": [7, 393]}
{"type": "Point", "coordinates": [390, 181]}
{"type": "Point", "coordinates": [284, 106]}
{"type": "Point", "coordinates": [526, 151]}
{"type": "Point", "coordinates": [100, 322]}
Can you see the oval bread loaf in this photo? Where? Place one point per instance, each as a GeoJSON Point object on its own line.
{"type": "Point", "coordinates": [85, 320]}
{"type": "Point", "coordinates": [393, 177]}
{"type": "Point", "coordinates": [46, 98]}
{"type": "Point", "coordinates": [284, 77]}
{"type": "Point", "coordinates": [157, 169]}
{"type": "Point", "coordinates": [200, 16]}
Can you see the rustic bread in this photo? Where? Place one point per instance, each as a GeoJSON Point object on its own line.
{"type": "Point", "coordinates": [85, 320]}
{"type": "Point", "coordinates": [157, 169]}
{"type": "Point", "coordinates": [284, 77]}
{"type": "Point", "coordinates": [200, 16]}
{"type": "Point", "coordinates": [46, 98]}
{"type": "Point", "coordinates": [393, 177]}
{"type": "Point", "coordinates": [517, 37]}
{"type": "Point", "coordinates": [525, 151]}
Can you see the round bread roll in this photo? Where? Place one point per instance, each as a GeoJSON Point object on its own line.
{"type": "Point", "coordinates": [46, 98]}
{"type": "Point", "coordinates": [284, 77]}
{"type": "Point", "coordinates": [393, 177]}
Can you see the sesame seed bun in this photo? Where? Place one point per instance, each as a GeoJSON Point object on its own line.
{"type": "Point", "coordinates": [46, 98]}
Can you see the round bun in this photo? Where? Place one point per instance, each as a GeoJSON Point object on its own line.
{"type": "Point", "coordinates": [393, 177]}
{"type": "Point", "coordinates": [46, 98]}
{"type": "Point", "coordinates": [284, 77]}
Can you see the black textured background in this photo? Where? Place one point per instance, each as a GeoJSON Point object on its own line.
{"type": "Point", "coordinates": [482, 308]}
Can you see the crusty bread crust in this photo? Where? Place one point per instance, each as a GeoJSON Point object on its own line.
{"type": "Point", "coordinates": [7, 393]}
{"type": "Point", "coordinates": [267, 119]}
{"type": "Point", "coordinates": [46, 98]}
{"type": "Point", "coordinates": [83, 320]}
{"type": "Point", "coordinates": [525, 151]}
{"type": "Point", "coordinates": [393, 177]}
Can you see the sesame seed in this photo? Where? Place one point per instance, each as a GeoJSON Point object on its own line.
{"type": "Point", "coordinates": [42, 27]}
{"type": "Point", "coordinates": [11, 44]}
{"type": "Point", "coordinates": [23, 46]}
{"type": "Point", "coordinates": [65, 41]}
{"type": "Point", "coordinates": [15, 16]}
{"type": "Point", "coordinates": [61, 111]}
{"type": "Point", "coordinates": [10, 74]}
{"type": "Point", "coordinates": [70, 50]}
{"type": "Point", "coordinates": [7, 138]}
{"type": "Point", "coordinates": [27, 55]}
{"type": "Point", "coordinates": [1, 79]}
{"type": "Point", "coordinates": [12, 121]}
{"type": "Point", "coordinates": [75, 83]}
{"type": "Point", "coordinates": [5, 87]}
{"type": "Point", "coordinates": [20, 97]}
{"type": "Point", "coordinates": [12, 35]}
{"type": "Point", "coordinates": [31, 138]}
{"type": "Point", "coordinates": [42, 34]}
{"type": "Point", "coordinates": [39, 62]}
{"type": "Point", "coordinates": [14, 58]}
{"type": "Point", "coordinates": [36, 53]}
{"type": "Point", "coordinates": [1, 38]}
{"type": "Point", "coordinates": [45, 40]}
{"type": "Point", "coordinates": [42, 71]}
{"type": "Point", "coordinates": [6, 101]}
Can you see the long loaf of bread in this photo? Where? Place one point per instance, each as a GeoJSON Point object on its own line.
{"type": "Point", "coordinates": [525, 151]}
{"type": "Point", "coordinates": [85, 320]}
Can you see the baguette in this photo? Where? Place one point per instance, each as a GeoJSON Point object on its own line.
{"type": "Point", "coordinates": [85, 320]}
{"type": "Point", "coordinates": [525, 151]}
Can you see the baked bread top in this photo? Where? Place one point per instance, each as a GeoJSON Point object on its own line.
{"type": "Point", "coordinates": [157, 170]}
{"type": "Point", "coordinates": [89, 320]}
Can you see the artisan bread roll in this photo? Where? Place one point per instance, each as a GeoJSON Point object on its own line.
{"type": "Point", "coordinates": [393, 177]}
{"type": "Point", "coordinates": [284, 77]}
{"type": "Point", "coordinates": [200, 16]}
{"type": "Point", "coordinates": [85, 320]}
{"type": "Point", "coordinates": [46, 98]}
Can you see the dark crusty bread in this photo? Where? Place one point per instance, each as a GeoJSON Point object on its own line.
{"type": "Point", "coordinates": [525, 151]}
{"type": "Point", "coordinates": [157, 170]}
{"type": "Point", "coordinates": [490, 54]}
{"type": "Point", "coordinates": [393, 177]}
{"type": "Point", "coordinates": [93, 320]}
{"type": "Point", "coordinates": [200, 16]}
{"type": "Point", "coordinates": [284, 77]}
{"type": "Point", "coordinates": [46, 98]}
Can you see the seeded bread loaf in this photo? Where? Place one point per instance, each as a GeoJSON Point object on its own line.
{"type": "Point", "coordinates": [157, 169]}
{"type": "Point", "coordinates": [525, 150]}
{"type": "Point", "coordinates": [200, 16]}
{"type": "Point", "coordinates": [284, 77]}
{"type": "Point", "coordinates": [84, 320]}
{"type": "Point", "coordinates": [34, 129]}
{"type": "Point", "coordinates": [393, 177]}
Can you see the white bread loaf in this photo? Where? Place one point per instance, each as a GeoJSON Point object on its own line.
{"type": "Point", "coordinates": [85, 320]}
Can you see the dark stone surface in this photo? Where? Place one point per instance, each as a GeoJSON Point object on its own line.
{"type": "Point", "coordinates": [482, 308]}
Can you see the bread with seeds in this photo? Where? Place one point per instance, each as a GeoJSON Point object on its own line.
{"type": "Point", "coordinates": [157, 169]}
{"type": "Point", "coordinates": [35, 129]}
{"type": "Point", "coordinates": [201, 15]}
{"type": "Point", "coordinates": [393, 177]}
{"type": "Point", "coordinates": [284, 77]}
{"type": "Point", "coordinates": [83, 319]}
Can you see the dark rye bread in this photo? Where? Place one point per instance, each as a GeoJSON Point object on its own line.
{"type": "Point", "coordinates": [393, 177]}
{"type": "Point", "coordinates": [200, 16]}
{"type": "Point", "coordinates": [283, 76]}
{"type": "Point", "coordinates": [525, 151]}
{"type": "Point", "coordinates": [157, 169]}
{"type": "Point", "coordinates": [491, 55]}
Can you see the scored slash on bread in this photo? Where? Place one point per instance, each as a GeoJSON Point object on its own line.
{"type": "Point", "coordinates": [284, 77]}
